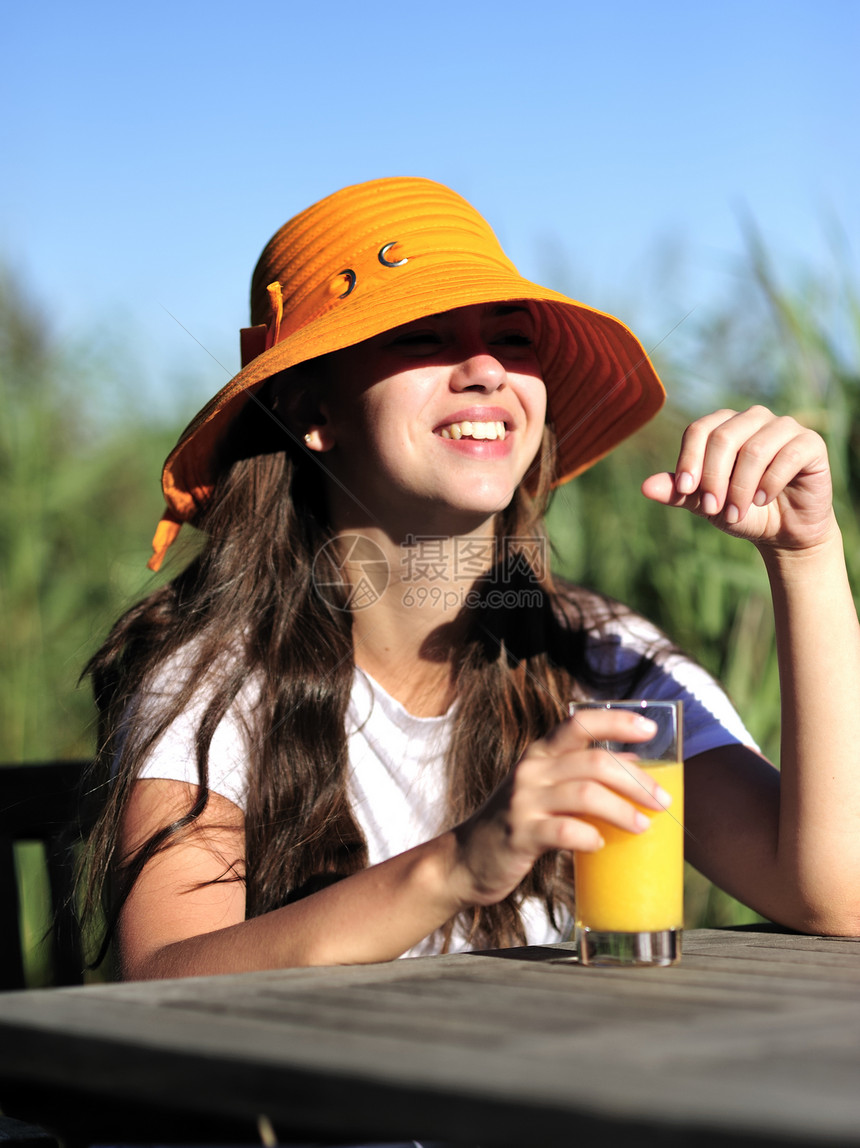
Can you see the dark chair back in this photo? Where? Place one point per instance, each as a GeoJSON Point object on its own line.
{"type": "Point", "coordinates": [40, 802]}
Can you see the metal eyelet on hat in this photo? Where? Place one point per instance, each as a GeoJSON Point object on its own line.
{"type": "Point", "coordinates": [350, 276]}
{"type": "Point", "coordinates": [387, 262]}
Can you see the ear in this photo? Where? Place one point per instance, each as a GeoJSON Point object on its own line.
{"type": "Point", "coordinates": [297, 402]}
{"type": "Point", "coordinates": [318, 437]}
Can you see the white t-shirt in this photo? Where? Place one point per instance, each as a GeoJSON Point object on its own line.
{"type": "Point", "coordinates": [397, 760]}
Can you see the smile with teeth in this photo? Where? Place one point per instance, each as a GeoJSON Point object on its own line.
{"type": "Point", "coordinates": [466, 429]}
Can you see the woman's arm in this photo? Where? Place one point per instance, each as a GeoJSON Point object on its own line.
{"type": "Point", "coordinates": [790, 850]}
{"type": "Point", "coordinates": [181, 920]}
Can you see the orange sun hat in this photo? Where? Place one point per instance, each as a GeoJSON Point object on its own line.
{"type": "Point", "coordinates": [376, 255]}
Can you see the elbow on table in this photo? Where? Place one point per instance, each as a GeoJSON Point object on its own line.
{"type": "Point", "coordinates": [831, 917]}
{"type": "Point", "coordinates": [834, 925]}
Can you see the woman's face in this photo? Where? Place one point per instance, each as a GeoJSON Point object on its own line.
{"type": "Point", "coordinates": [441, 417]}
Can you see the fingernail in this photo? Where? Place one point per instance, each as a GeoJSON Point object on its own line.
{"type": "Point", "coordinates": [732, 514]}
{"type": "Point", "coordinates": [646, 725]}
{"type": "Point", "coordinates": [760, 498]}
{"type": "Point", "coordinates": [663, 797]}
{"type": "Point", "coordinates": [685, 483]}
{"type": "Point", "coordinates": [710, 504]}
{"type": "Point", "coordinates": [641, 822]}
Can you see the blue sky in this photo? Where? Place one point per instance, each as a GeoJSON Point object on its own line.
{"type": "Point", "coordinates": [150, 150]}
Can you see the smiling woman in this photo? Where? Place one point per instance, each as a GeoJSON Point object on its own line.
{"type": "Point", "coordinates": [340, 734]}
{"type": "Point", "coordinates": [414, 413]}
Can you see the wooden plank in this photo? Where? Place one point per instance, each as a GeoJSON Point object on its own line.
{"type": "Point", "coordinates": [513, 1047]}
{"type": "Point", "coordinates": [38, 800]}
{"type": "Point", "coordinates": [11, 959]}
{"type": "Point", "coordinates": [294, 1096]}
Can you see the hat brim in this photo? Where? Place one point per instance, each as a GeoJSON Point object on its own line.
{"type": "Point", "coordinates": [601, 385]}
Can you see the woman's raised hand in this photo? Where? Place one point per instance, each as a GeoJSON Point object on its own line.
{"type": "Point", "coordinates": [550, 800]}
{"type": "Point", "coordinates": [755, 475]}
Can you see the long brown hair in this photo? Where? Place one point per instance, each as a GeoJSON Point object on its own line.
{"type": "Point", "coordinates": [245, 612]}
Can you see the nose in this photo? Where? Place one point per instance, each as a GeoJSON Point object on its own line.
{"type": "Point", "coordinates": [479, 372]}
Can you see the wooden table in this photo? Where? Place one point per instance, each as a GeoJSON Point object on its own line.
{"type": "Point", "coordinates": [754, 1037]}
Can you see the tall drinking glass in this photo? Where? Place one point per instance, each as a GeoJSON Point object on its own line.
{"type": "Point", "coordinates": [630, 893]}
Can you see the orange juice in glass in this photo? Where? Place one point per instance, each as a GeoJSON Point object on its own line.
{"type": "Point", "coordinates": [630, 893]}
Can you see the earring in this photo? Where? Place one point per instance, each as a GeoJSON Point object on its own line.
{"type": "Point", "coordinates": [308, 437]}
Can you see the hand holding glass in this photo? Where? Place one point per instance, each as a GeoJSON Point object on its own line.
{"type": "Point", "coordinates": [630, 893]}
